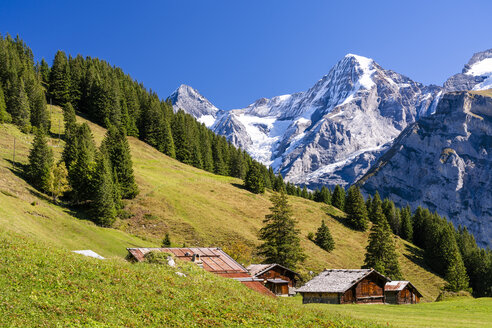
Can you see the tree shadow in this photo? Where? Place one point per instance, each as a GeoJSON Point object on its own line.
{"type": "Point", "coordinates": [417, 256]}
{"type": "Point", "coordinates": [338, 218]}
{"type": "Point", "coordinates": [240, 186]}
{"type": "Point", "coordinates": [18, 169]}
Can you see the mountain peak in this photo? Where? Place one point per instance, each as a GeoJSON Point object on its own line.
{"type": "Point", "coordinates": [192, 102]}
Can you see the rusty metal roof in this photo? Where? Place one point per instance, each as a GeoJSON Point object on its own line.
{"type": "Point", "coordinates": [396, 286]}
{"type": "Point", "coordinates": [259, 269]}
{"type": "Point", "coordinates": [336, 281]}
{"type": "Point", "coordinates": [214, 259]}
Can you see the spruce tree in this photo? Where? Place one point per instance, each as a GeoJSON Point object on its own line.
{"type": "Point", "coordinates": [5, 117]}
{"type": "Point", "coordinates": [103, 205]}
{"type": "Point", "coordinates": [70, 121]}
{"type": "Point", "coordinates": [39, 114]}
{"type": "Point", "coordinates": [166, 242]}
{"type": "Point", "coordinates": [254, 180]}
{"type": "Point", "coordinates": [304, 192]}
{"type": "Point", "coordinates": [60, 79]}
{"type": "Point", "coordinates": [323, 238]}
{"type": "Point", "coordinates": [392, 215]}
{"type": "Point", "coordinates": [281, 242]}
{"type": "Point", "coordinates": [115, 145]}
{"type": "Point", "coordinates": [20, 110]}
{"type": "Point", "coordinates": [380, 251]}
{"type": "Point", "coordinates": [325, 195]}
{"type": "Point", "coordinates": [40, 162]}
{"type": "Point", "coordinates": [406, 224]}
{"type": "Point", "coordinates": [81, 168]}
{"type": "Point", "coordinates": [338, 197]}
{"type": "Point", "coordinates": [355, 208]}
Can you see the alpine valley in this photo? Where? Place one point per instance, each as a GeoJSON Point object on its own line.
{"type": "Point", "coordinates": [360, 116]}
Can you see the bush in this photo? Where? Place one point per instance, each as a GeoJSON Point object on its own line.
{"type": "Point", "coordinates": [157, 257]}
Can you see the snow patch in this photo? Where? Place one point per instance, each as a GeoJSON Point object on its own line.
{"type": "Point", "coordinates": [483, 67]}
{"type": "Point", "coordinates": [208, 120]}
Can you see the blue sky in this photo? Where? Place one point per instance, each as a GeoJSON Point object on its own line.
{"type": "Point", "coordinates": [235, 52]}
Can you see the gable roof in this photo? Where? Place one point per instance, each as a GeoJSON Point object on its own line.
{"type": "Point", "coordinates": [396, 286]}
{"type": "Point", "coordinates": [259, 269]}
{"type": "Point", "coordinates": [336, 281]}
{"type": "Point", "coordinates": [214, 259]}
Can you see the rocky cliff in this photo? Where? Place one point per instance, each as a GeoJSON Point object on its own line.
{"type": "Point", "coordinates": [443, 162]}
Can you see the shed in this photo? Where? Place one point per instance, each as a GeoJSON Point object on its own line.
{"type": "Point", "coordinates": [345, 286]}
{"type": "Point", "coordinates": [211, 259]}
{"type": "Point", "coordinates": [279, 279]}
{"type": "Point", "coordinates": [401, 292]}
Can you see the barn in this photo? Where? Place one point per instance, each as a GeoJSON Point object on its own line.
{"type": "Point", "coordinates": [401, 292]}
{"type": "Point", "coordinates": [211, 259]}
{"type": "Point", "coordinates": [345, 286]}
{"type": "Point", "coordinates": [279, 279]}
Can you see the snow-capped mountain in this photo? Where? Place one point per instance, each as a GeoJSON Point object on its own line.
{"type": "Point", "coordinates": [333, 132]}
{"type": "Point", "coordinates": [476, 75]}
{"type": "Point", "coordinates": [192, 102]}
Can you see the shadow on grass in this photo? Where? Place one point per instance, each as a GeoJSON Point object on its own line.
{"type": "Point", "coordinates": [240, 186]}
{"type": "Point", "coordinates": [79, 211]}
{"type": "Point", "coordinates": [343, 220]}
{"type": "Point", "coordinates": [417, 256]}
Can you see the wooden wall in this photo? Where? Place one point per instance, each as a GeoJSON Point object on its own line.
{"type": "Point", "coordinates": [278, 273]}
{"type": "Point", "coordinates": [327, 298]}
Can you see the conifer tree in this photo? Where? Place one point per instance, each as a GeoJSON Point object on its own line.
{"type": "Point", "coordinates": [323, 238]}
{"type": "Point", "coordinates": [278, 184]}
{"type": "Point", "coordinates": [406, 224]}
{"type": "Point", "coordinates": [281, 242]}
{"type": "Point", "coordinates": [40, 162]}
{"type": "Point", "coordinates": [338, 197]}
{"type": "Point", "coordinates": [304, 192]}
{"type": "Point", "coordinates": [166, 242]}
{"type": "Point", "coordinates": [81, 168]}
{"type": "Point", "coordinates": [20, 110]}
{"type": "Point", "coordinates": [103, 206]}
{"type": "Point", "coordinates": [5, 117]}
{"type": "Point", "coordinates": [355, 208]}
{"type": "Point", "coordinates": [39, 115]}
{"type": "Point", "coordinates": [392, 216]}
{"type": "Point", "coordinates": [70, 121]}
{"type": "Point", "coordinates": [115, 145]}
{"type": "Point", "coordinates": [456, 276]}
{"type": "Point", "coordinates": [254, 179]}
{"type": "Point", "coordinates": [380, 252]}
{"type": "Point", "coordinates": [44, 72]}
{"type": "Point", "coordinates": [325, 195]}
{"type": "Point", "coordinates": [60, 79]}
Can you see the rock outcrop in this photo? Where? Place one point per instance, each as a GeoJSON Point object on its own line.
{"type": "Point", "coordinates": [443, 162]}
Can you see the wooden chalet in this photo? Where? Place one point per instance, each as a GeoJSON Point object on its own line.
{"type": "Point", "coordinates": [401, 292]}
{"type": "Point", "coordinates": [345, 286]}
{"type": "Point", "coordinates": [279, 279]}
{"type": "Point", "coordinates": [213, 260]}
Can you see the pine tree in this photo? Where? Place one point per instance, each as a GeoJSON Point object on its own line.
{"type": "Point", "coordinates": [5, 117]}
{"type": "Point", "coordinates": [456, 276]}
{"type": "Point", "coordinates": [323, 238]}
{"type": "Point", "coordinates": [392, 216]}
{"type": "Point", "coordinates": [304, 192]}
{"type": "Point", "coordinates": [70, 121]}
{"type": "Point", "coordinates": [325, 195]}
{"type": "Point", "coordinates": [281, 242]}
{"type": "Point", "coordinates": [254, 179]}
{"type": "Point", "coordinates": [115, 145]}
{"type": "Point", "coordinates": [60, 79]}
{"type": "Point", "coordinates": [355, 208]}
{"type": "Point", "coordinates": [338, 198]}
{"type": "Point", "coordinates": [40, 162]}
{"type": "Point", "coordinates": [81, 167]}
{"type": "Point", "coordinates": [103, 206]}
{"type": "Point", "coordinates": [20, 110]}
{"type": "Point", "coordinates": [166, 242]}
{"type": "Point", "coordinates": [406, 224]}
{"type": "Point", "coordinates": [380, 251]}
{"type": "Point", "coordinates": [44, 72]}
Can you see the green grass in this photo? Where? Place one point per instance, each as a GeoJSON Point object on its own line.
{"type": "Point", "coordinates": [45, 286]}
{"type": "Point", "coordinates": [459, 313]}
{"type": "Point", "coordinates": [196, 207]}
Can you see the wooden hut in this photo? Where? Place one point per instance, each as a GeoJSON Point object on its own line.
{"type": "Point", "coordinates": [211, 259]}
{"type": "Point", "coordinates": [279, 279]}
{"type": "Point", "coordinates": [401, 292]}
{"type": "Point", "coordinates": [345, 286]}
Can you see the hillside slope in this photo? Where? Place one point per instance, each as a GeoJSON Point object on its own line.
{"type": "Point", "coordinates": [196, 207]}
{"type": "Point", "coordinates": [202, 209]}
